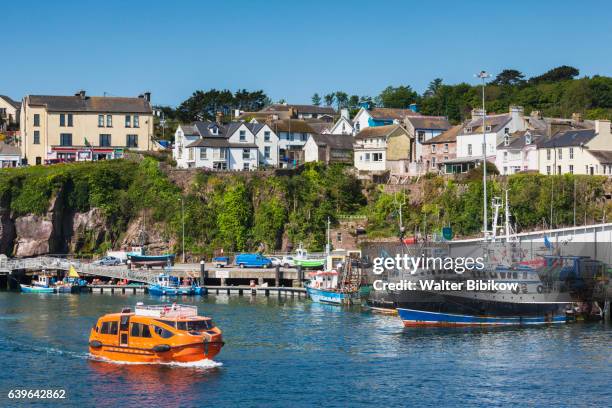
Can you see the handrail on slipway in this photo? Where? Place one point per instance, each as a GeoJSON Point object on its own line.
{"type": "Point", "coordinates": [48, 262]}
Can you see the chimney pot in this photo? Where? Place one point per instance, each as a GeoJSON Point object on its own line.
{"type": "Point", "coordinates": [577, 117]}
{"type": "Point", "coordinates": [81, 93]}
{"type": "Point", "coordinates": [147, 96]}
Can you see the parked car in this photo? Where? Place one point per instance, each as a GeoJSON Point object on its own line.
{"type": "Point", "coordinates": [108, 261]}
{"type": "Point", "coordinates": [276, 261]}
{"type": "Point", "coordinates": [221, 261]}
{"type": "Point", "coordinates": [288, 261]}
{"type": "Point", "coordinates": [253, 261]}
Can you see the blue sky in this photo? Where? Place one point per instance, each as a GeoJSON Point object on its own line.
{"type": "Point", "coordinates": [290, 49]}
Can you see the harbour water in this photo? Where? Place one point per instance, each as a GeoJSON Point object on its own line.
{"type": "Point", "coordinates": [290, 352]}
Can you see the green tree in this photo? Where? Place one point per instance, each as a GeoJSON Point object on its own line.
{"type": "Point", "coordinates": [329, 99]}
{"type": "Point", "coordinates": [508, 77]}
{"type": "Point", "coordinates": [398, 97]}
{"type": "Point", "coordinates": [562, 73]}
{"type": "Point", "coordinates": [316, 99]}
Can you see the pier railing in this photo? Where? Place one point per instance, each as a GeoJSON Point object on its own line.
{"type": "Point", "coordinates": [51, 263]}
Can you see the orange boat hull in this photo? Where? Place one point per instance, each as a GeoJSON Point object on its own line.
{"type": "Point", "coordinates": [182, 354]}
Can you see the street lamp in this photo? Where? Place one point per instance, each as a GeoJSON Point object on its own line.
{"type": "Point", "coordinates": [183, 222]}
{"type": "Point", "coordinates": [484, 75]}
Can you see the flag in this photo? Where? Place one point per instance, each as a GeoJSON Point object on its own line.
{"type": "Point", "coordinates": [72, 273]}
{"type": "Point", "coordinates": [547, 242]}
{"type": "Point", "coordinates": [87, 143]}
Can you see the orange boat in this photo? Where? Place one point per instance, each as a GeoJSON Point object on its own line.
{"type": "Point", "coordinates": [155, 334]}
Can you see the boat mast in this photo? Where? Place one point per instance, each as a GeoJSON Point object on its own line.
{"type": "Point", "coordinates": [507, 218]}
{"type": "Point", "coordinates": [484, 75]}
{"type": "Point", "coordinates": [328, 245]}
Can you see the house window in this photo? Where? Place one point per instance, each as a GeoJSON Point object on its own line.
{"type": "Point", "coordinates": [109, 120]}
{"type": "Point", "coordinates": [357, 126]}
{"type": "Point", "coordinates": [70, 120]}
{"type": "Point", "coordinates": [131, 141]}
{"type": "Point", "coordinates": [468, 130]}
{"type": "Point", "coordinates": [128, 121]}
{"type": "Point", "coordinates": [246, 153]}
{"type": "Point", "coordinates": [571, 169]}
{"type": "Point", "coordinates": [100, 120]}
{"type": "Point", "coordinates": [433, 148]}
{"type": "Point", "coordinates": [469, 150]}
{"type": "Point", "coordinates": [267, 152]}
{"type": "Point", "coordinates": [65, 139]}
{"type": "Point", "coordinates": [339, 237]}
{"type": "Point", "coordinates": [266, 136]}
{"type": "Point", "coordinates": [37, 137]}
{"type": "Point", "coordinates": [445, 158]}
{"type": "Point", "coordinates": [36, 119]}
{"type": "Point", "coordinates": [506, 130]}
{"type": "Point", "coordinates": [488, 128]}
{"type": "Point", "coordinates": [202, 153]}
{"type": "Point", "coordinates": [367, 157]}
{"type": "Point", "coordinates": [571, 153]}
{"type": "Point", "coordinates": [433, 162]}
{"type": "Point", "coordinates": [304, 137]}
{"type": "Point", "coordinates": [38, 160]}
{"type": "Point", "coordinates": [559, 170]}
{"type": "Point", "coordinates": [245, 167]}
{"type": "Point", "coordinates": [547, 154]}
{"type": "Point", "coordinates": [505, 170]}
{"type": "Point", "coordinates": [548, 170]}
{"type": "Point", "coordinates": [505, 156]}
{"type": "Point", "coordinates": [242, 135]}
{"type": "Point", "coordinates": [105, 140]}
{"type": "Point", "coordinates": [445, 147]}
{"type": "Point", "coordinates": [506, 140]}
{"type": "Point", "coordinates": [377, 157]}
{"type": "Point", "coordinates": [290, 137]}
{"type": "Point", "coordinates": [560, 154]}
{"type": "Point", "coordinates": [421, 136]}
{"type": "Point", "coordinates": [190, 155]}
{"type": "Point", "coordinates": [62, 119]}
{"type": "Point", "coordinates": [136, 121]}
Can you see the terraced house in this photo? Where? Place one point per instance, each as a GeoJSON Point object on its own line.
{"type": "Point", "coordinates": [80, 127]}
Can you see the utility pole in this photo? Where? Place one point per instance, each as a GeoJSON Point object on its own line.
{"type": "Point", "coordinates": [484, 75]}
{"type": "Point", "coordinates": [183, 223]}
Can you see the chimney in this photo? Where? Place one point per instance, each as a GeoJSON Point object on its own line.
{"type": "Point", "coordinates": [536, 114]}
{"type": "Point", "coordinates": [219, 118]}
{"type": "Point", "coordinates": [344, 112]}
{"type": "Point", "coordinates": [516, 113]}
{"type": "Point", "coordinates": [81, 94]}
{"type": "Point", "coordinates": [602, 128]}
{"type": "Point", "coordinates": [577, 117]}
{"type": "Point", "coordinates": [147, 96]}
{"type": "Point", "coordinates": [477, 113]}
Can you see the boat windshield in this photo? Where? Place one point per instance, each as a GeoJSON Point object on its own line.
{"type": "Point", "coordinates": [196, 325]}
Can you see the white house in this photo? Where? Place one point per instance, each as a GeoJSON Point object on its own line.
{"type": "Point", "coordinates": [497, 127]}
{"type": "Point", "coordinates": [328, 148]}
{"type": "Point", "coordinates": [217, 147]}
{"type": "Point", "coordinates": [519, 152]}
{"type": "Point", "coordinates": [10, 156]}
{"type": "Point", "coordinates": [267, 143]}
{"type": "Point", "coordinates": [343, 126]}
{"type": "Point", "coordinates": [292, 136]}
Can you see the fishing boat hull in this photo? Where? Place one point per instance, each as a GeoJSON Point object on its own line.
{"type": "Point", "coordinates": [152, 260]}
{"type": "Point", "coordinates": [310, 263]}
{"type": "Point", "coordinates": [35, 289]}
{"type": "Point", "coordinates": [422, 318]}
{"type": "Point", "coordinates": [331, 297]}
{"type": "Point", "coordinates": [200, 291]}
{"type": "Point", "coordinates": [157, 290]}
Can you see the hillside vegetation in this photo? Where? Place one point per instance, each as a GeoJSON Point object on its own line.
{"type": "Point", "coordinates": [237, 212]}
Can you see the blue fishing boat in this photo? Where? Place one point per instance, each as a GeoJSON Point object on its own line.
{"type": "Point", "coordinates": [323, 288]}
{"type": "Point", "coordinates": [418, 318]}
{"type": "Point", "coordinates": [40, 285]}
{"type": "Point", "coordinates": [167, 285]}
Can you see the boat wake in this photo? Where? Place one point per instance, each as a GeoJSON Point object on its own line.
{"type": "Point", "coordinates": [204, 364]}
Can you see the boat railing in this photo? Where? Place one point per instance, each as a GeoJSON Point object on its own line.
{"type": "Point", "coordinates": [173, 311]}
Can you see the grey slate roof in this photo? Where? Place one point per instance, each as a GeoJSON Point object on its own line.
{"type": "Point", "coordinates": [312, 109]}
{"type": "Point", "coordinates": [110, 104]}
{"type": "Point", "coordinates": [448, 136]}
{"type": "Point", "coordinates": [219, 142]}
{"type": "Point", "coordinates": [344, 142]}
{"type": "Point", "coordinates": [9, 150]}
{"type": "Point", "coordinates": [429, 122]}
{"type": "Point", "coordinates": [13, 102]}
{"type": "Point", "coordinates": [569, 138]}
{"type": "Point", "coordinates": [604, 156]}
{"type": "Point", "coordinates": [517, 139]}
{"type": "Point", "coordinates": [495, 121]}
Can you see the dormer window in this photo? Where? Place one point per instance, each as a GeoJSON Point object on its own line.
{"type": "Point", "coordinates": [468, 130]}
{"type": "Point", "coordinates": [488, 128]}
{"type": "Point", "coordinates": [506, 140]}
{"type": "Point", "coordinates": [527, 139]}
{"type": "Point", "coordinates": [214, 130]}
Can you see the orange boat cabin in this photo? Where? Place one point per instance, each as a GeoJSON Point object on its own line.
{"type": "Point", "coordinates": [160, 333]}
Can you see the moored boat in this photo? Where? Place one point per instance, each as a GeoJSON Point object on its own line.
{"type": "Point", "coordinates": [155, 334]}
{"type": "Point", "coordinates": [41, 285]}
{"type": "Point", "coordinates": [167, 285]}
{"type": "Point", "coordinates": [323, 287]}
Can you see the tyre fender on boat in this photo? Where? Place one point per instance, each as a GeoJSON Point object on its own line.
{"type": "Point", "coordinates": [516, 290]}
{"type": "Point", "coordinates": [95, 344]}
{"type": "Point", "coordinates": [161, 348]}
{"type": "Point", "coordinates": [540, 288]}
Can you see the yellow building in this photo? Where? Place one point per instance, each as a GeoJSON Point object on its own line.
{"type": "Point", "coordinates": [81, 127]}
